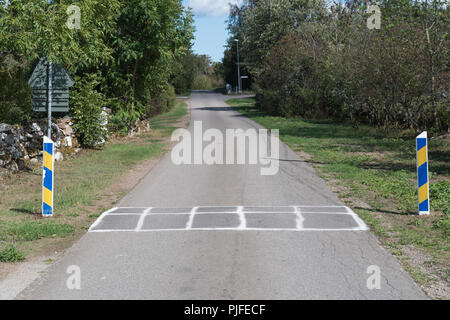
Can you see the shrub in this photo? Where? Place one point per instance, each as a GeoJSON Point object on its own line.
{"type": "Point", "coordinates": [86, 108]}
{"type": "Point", "coordinates": [122, 120]}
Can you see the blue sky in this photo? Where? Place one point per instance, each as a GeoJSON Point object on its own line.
{"type": "Point", "coordinates": [211, 32]}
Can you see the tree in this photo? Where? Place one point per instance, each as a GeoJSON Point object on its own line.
{"type": "Point", "coordinates": [130, 47]}
{"type": "Point", "coordinates": [311, 60]}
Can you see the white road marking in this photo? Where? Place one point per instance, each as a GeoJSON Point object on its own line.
{"type": "Point", "coordinates": [241, 211]}
{"type": "Point", "coordinates": [358, 220]}
{"type": "Point", "coordinates": [299, 219]}
{"type": "Point", "coordinates": [243, 224]}
{"type": "Point", "coordinates": [141, 219]}
{"type": "Point", "coordinates": [100, 219]}
{"type": "Point", "coordinates": [191, 218]}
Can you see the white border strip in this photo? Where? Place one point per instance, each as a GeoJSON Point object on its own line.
{"type": "Point", "coordinates": [99, 219]}
{"type": "Point", "coordinates": [358, 220]}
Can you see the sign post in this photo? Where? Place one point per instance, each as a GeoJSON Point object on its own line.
{"type": "Point", "coordinates": [48, 178]}
{"type": "Point", "coordinates": [50, 84]}
{"type": "Point", "coordinates": [49, 99]}
{"type": "Point", "coordinates": [422, 174]}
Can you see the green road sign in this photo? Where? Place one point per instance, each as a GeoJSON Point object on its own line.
{"type": "Point", "coordinates": [60, 100]}
{"type": "Point", "coordinates": [60, 79]}
{"type": "Point", "coordinates": [61, 82]}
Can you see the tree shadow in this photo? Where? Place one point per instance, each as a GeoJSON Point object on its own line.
{"type": "Point", "coordinates": [214, 108]}
{"type": "Point", "coordinates": [409, 213]}
{"type": "Point", "coordinates": [30, 212]}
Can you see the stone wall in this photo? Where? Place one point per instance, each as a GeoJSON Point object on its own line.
{"type": "Point", "coordinates": [22, 144]}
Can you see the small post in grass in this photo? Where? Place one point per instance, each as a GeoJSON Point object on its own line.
{"type": "Point", "coordinates": [422, 174]}
{"type": "Point", "coordinates": [48, 178]}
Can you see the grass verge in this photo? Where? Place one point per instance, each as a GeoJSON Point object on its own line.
{"type": "Point", "coordinates": [85, 186]}
{"type": "Point", "coordinates": [10, 253]}
{"type": "Point", "coordinates": [375, 174]}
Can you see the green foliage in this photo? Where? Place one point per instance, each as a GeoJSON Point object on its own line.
{"type": "Point", "coordinates": [185, 70]}
{"type": "Point", "coordinates": [122, 120]}
{"type": "Point", "coordinates": [317, 62]}
{"type": "Point", "coordinates": [153, 35]}
{"type": "Point", "coordinates": [15, 97]}
{"type": "Point", "coordinates": [440, 195]}
{"type": "Point", "coordinates": [123, 57]}
{"type": "Point", "coordinates": [443, 224]}
{"type": "Point", "coordinates": [196, 72]}
{"type": "Point", "coordinates": [11, 254]}
{"type": "Point", "coordinates": [202, 82]}
{"type": "Point", "coordinates": [87, 111]}
{"type": "Point", "coordinates": [27, 230]}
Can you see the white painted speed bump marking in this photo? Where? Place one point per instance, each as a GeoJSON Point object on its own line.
{"type": "Point", "coordinates": [286, 218]}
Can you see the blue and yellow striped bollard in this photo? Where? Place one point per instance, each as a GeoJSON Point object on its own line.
{"type": "Point", "coordinates": [422, 173]}
{"type": "Point", "coordinates": [48, 178]}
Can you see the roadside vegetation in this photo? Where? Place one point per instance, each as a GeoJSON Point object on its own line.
{"type": "Point", "coordinates": [85, 186]}
{"type": "Point", "coordinates": [123, 57]}
{"type": "Point", "coordinates": [375, 174]}
{"type": "Point", "coordinates": [197, 72]}
{"type": "Point", "coordinates": [310, 59]}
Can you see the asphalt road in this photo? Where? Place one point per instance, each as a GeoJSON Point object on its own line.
{"type": "Point", "coordinates": [227, 232]}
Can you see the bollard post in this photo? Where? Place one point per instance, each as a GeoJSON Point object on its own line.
{"type": "Point", "coordinates": [422, 174]}
{"type": "Point", "coordinates": [48, 177]}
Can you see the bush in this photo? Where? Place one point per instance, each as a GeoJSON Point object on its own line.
{"type": "Point", "coordinates": [15, 97]}
{"type": "Point", "coordinates": [328, 64]}
{"type": "Point", "coordinates": [162, 103]}
{"type": "Point", "coordinates": [86, 108]}
{"type": "Point", "coordinates": [202, 82]}
{"type": "Point", "coordinates": [123, 120]}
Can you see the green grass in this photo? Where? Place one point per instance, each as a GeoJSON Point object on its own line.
{"type": "Point", "coordinates": [365, 158]}
{"type": "Point", "coordinates": [164, 122]}
{"type": "Point", "coordinates": [29, 230]}
{"type": "Point", "coordinates": [380, 170]}
{"type": "Point", "coordinates": [11, 254]}
{"type": "Point", "coordinates": [78, 181]}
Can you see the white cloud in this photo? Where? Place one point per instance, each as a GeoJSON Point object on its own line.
{"type": "Point", "coordinates": [212, 8]}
